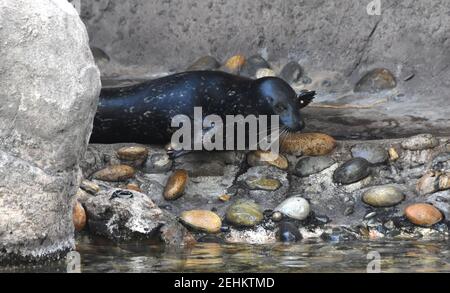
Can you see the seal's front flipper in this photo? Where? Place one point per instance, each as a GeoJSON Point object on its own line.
{"type": "Point", "coordinates": [305, 98]}
{"type": "Point", "coordinates": [173, 154]}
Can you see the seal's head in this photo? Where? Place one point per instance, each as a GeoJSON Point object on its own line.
{"type": "Point", "coordinates": [282, 100]}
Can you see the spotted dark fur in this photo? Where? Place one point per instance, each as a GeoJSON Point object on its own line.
{"type": "Point", "coordinates": [143, 113]}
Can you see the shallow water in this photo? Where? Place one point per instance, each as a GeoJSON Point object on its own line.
{"type": "Point", "coordinates": [396, 256]}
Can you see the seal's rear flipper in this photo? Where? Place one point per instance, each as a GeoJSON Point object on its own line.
{"type": "Point", "coordinates": [305, 98]}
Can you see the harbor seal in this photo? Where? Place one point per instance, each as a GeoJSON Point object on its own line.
{"type": "Point", "coordinates": [143, 113]}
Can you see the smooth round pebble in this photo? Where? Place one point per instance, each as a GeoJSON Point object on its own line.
{"type": "Point", "coordinates": [294, 207]}
{"type": "Point", "coordinates": [383, 196]}
{"type": "Point", "coordinates": [244, 214]}
{"type": "Point", "coordinates": [134, 187]}
{"type": "Point", "coordinates": [309, 144]}
{"type": "Point", "coordinates": [352, 171]}
{"type": "Point", "coordinates": [202, 220]}
{"type": "Point", "coordinates": [277, 216]}
{"type": "Point", "coordinates": [132, 153]}
{"type": "Point", "coordinates": [265, 158]}
{"type": "Point", "coordinates": [265, 72]}
{"type": "Point", "coordinates": [423, 214]}
{"type": "Point", "coordinates": [291, 72]}
{"type": "Point", "coordinates": [176, 185]}
{"type": "Point", "coordinates": [372, 153]}
{"type": "Point", "coordinates": [79, 217]}
{"type": "Point", "coordinates": [376, 80]}
{"type": "Point", "coordinates": [311, 165]}
{"type": "Point", "coordinates": [90, 187]}
{"type": "Point", "coordinates": [115, 173]}
{"type": "Point", "coordinates": [420, 142]}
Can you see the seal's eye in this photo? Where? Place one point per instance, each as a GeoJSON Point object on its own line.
{"type": "Point", "coordinates": [279, 108]}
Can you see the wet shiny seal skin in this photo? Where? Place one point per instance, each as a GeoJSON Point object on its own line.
{"type": "Point", "coordinates": [143, 113]}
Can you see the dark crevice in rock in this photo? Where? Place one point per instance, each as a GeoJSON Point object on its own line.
{"type": "Point", "coordinates": [364, 47]}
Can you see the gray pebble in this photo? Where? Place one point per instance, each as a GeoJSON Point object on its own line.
{"type": "Point", "coordinates": [291, 72]}
{"type": "Point", "coordinates": [157, 163]}
{"type": "Point", "coordinates": [420, 142]}
{"type": "Point", "coordinates": [383, 196]}
{"type": "Point", "coordinates": [373, 153]}
{"type": "Point", "coordinates": [352, 171]}
{"type": "Point", "coordinates": [253, 64]}
{"type": "Point", "coordinates": [311, 165]}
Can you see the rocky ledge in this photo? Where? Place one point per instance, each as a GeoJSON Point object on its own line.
{"type": "Point", "coordinates": [318, 188]}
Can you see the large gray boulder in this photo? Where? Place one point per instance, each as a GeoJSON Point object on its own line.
{"type": "Point", "coordinates": [49, 87]}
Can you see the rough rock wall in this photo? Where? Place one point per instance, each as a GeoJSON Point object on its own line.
{"type": "Point", "coordinates": [49, 86]}
{"type": "Point", "coordinates": [335, 41]}
{"type": "Point", "coordinates": [324, 35]}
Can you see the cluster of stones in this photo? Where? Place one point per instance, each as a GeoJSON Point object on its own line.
{"type": "Point", "coordinates": [373, 81]}
{"type": "Point", "coordinates": [254, 67]}
{"type": "Point", "coordinates": [365, 157]}
{"type": "Point", "coordinates": [263, 191]}
{"type": "Point", "coordinates": [289, 192]}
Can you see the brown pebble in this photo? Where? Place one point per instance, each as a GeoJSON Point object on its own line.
{"type": "Point", "coordinates": [376, 80]}
{"type": "Point", "coordinates": [420, 142]}
{"type": "Point", "coordinates": [134, 186]}
{"type": "Point", "coordinates": [265, 158]}
{"type": "Point", "coordinates": [202, 220]}
{"type": "Point", "coordinates": [176, 184]}
{"type": "Point", "coordinates": [132, 153]}
{"type": "Point", "coordinates": [423, 214]}
{"type": "Point", "coordinates": [235, 63]}
{"type": "Point", "coordinates": [115, 173]}
{"type": "Point", "coordinates": [309, 144]}
{"type": "Point", "coordinates": [79, 217]}
{"type": "Point", "coordinates": [225, 197]}
{"type": "Point", "coordinates": [90, 187]}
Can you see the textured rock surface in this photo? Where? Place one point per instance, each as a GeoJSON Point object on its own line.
{"type": "Point", "coordinates": [409, 38]}
{"type": "Point", "coordinates": [124, 218]}
{"type": "Point", "coordinates": [336, 212]}
{"type": "Point", "coordinates": [49, 86]}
